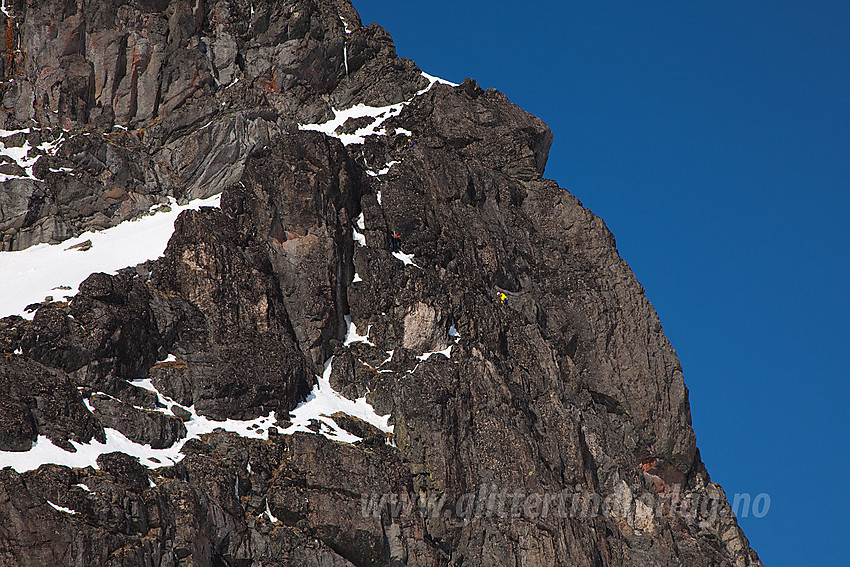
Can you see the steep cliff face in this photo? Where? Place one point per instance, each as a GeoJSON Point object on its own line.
{"type": "Point", "coordinates": [288, 384]}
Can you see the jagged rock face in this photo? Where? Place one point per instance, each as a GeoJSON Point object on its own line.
{"type": "Point", "coordinates": [568, 386]}
{"type": "Point", "coordinates": [166, 99]}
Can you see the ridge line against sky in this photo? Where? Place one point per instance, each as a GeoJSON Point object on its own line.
{"type": "Point", "coordinates": [713, 139]}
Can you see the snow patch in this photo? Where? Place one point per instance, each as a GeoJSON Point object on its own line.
{"type": "Point", "coordinates": [384, 170]}
{"type": "Point", "coordinates": [357, 278]}
{"type": "Point", "coordinates": [407, 259]}
{"type": "Point", "coordinates": [358, 237]}
{"type": "Point", "coordinates": [379, 114]}
{"type": "Point", "coordinates": [83, 486]}
{"type": "Point", "coordinates": [43, 451]}
{"type": "Point", "coordinates": [52, 148]}
{"type": "Point", "coordinates": [62, 508]}
{"type": "Point", "coordinates": [352, 336]}
{"type": "Point", "coordinates": [19, 155]}
{"type": "Point", "coordinates": [434, 79]}
{"type": "Point", "coordinates": [345, 25]}
{"type": "Point", "coordinates": [28, 276]}
{"type": "Point", "coordinates": [324, 401]}
{"type": "Point", "coordinates": [447, 352]}
{"type": "Point", "coordinates": [7, 133]}
{"type": "Point", "coordinates": [268, 513]}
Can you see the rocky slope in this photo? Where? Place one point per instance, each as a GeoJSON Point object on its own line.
{"type": "Point", "coordinates": [553, 429]}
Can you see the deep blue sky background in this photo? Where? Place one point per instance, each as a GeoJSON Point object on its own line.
{"type": "Point", "coordinates": [714, 140]}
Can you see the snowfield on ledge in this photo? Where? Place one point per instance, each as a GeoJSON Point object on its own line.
{"type": "Point", "coordinates": [57, 270]}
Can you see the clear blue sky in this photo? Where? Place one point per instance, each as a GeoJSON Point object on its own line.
{"type": "Point", "coordinates": [714, 140]}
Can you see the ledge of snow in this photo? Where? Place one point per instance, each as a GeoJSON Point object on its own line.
{"type": "Point", "coordinates": [407, 259]}
{"type": "Point", "coordinates": [43, 451]}
{"type": "Point", "coordinates": [324, 401]}
{"type": "Point", "coordinates": [28, 276]}
{"type": "Point", "coordinates": [379, 114]}
{"type": "Point", "coordinates": [447, 352]}
{"type": "Point", "coordinates": [352, 336]}
{"type": "Point", "coordinates": [62, 508]}
{"type": "Point", "coordinates": [434, 79]}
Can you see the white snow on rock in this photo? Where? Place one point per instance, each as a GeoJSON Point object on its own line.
{"type": "Point", "coordinates": [25, 157]}
{"type": "Point", "coordinates": [386, 169]}
{"type": "Point", "coordinates": [356, 278]}
{"type": "Point", "coordinates": [43, 450]}
{"type": "Point", "coordinates": [434, 79]}
{"type": "Point", "coordinates": [407, 259]}
{"type": "Point", "coordinates": [324, 401]}
{"type": "Point", "coordinates": [84, 487]}
{"type": "Point", "coordinates": [453, 332]}
{"type": "Point", "coordinates": [19, 155]}
{"type": "Point", "coordinates": [352, 336]}
{"type": "Point", "coordinates": [447, 352]}
{"type": "Point", "coordinates": [62, 508]}
{"type": "Point", "coordinates": [268, 513]}
{"type": "Point", "coordinates": [359, 237]}
{"type": "Point", "coordinates": [28, 276]}
{"type": "Point", "coordinates": [345, 25]}
{"type": "Point", "coordinates": [7, 133]}
{"type": "Point", "coordinates": [379, 114]}
{"type": "Point", "coordinates": [51, 148]}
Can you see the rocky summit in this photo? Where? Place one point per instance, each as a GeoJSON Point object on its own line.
{"type": "Point", "coordinates": [271, 295]}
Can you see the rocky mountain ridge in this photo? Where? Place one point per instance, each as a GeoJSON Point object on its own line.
{"type": "Point", "coordinates": [263, 392]}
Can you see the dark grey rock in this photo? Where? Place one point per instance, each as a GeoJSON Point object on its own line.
{"type": "Point", "coordinates": [152, 428]}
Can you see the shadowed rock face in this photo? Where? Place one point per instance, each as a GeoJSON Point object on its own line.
{"type": "Point", "coordinates": [569, 388]}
